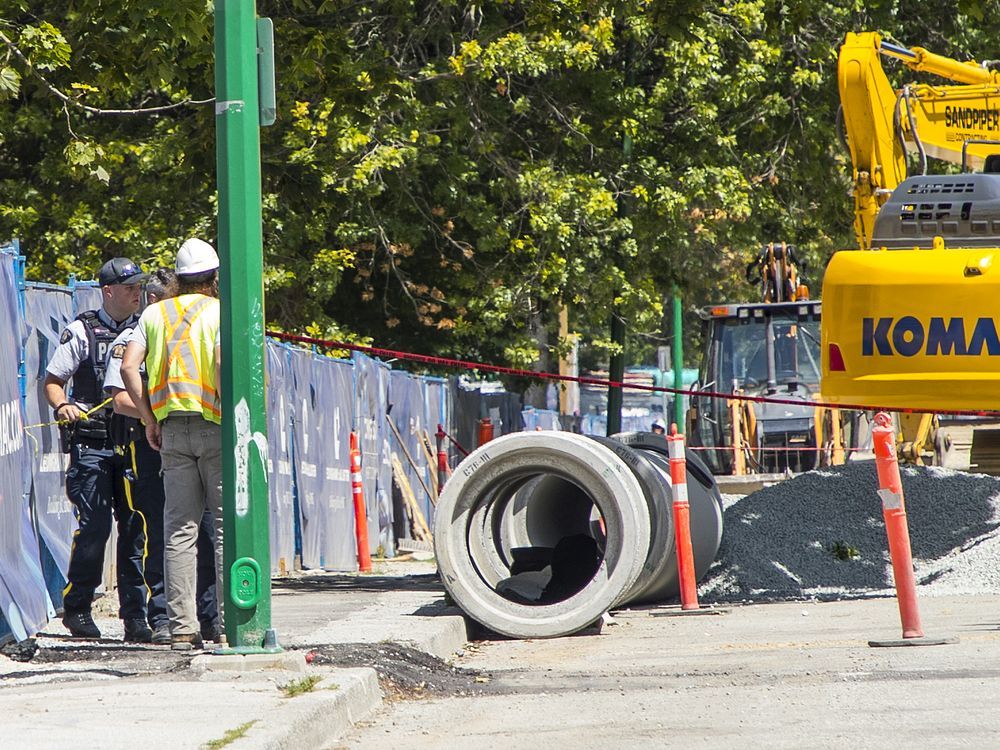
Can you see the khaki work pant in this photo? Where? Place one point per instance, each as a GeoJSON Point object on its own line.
{"type": "Point", "coordinates": [191, 452]}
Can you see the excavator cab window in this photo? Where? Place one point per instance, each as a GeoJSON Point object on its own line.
{"type": "Point", "coordinates": [992, 164]}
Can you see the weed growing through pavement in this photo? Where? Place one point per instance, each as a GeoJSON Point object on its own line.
{"type": "Point", "coordinates": [230, 736]}
{"type": "Point", "coordinates": [844, 551]}
{"type": "Point", "coordinates": [299, 687]}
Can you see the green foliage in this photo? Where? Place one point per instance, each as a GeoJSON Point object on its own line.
{"type": "Point", "coordinates": [844, 551]}
{"type": "Point", "coordinates": [443, 176]}
{"type": "Point", "coordinates": [301, 687]}
{"type": "Point", "coordinates": [230, 736]}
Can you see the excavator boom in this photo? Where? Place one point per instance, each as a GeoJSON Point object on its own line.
{"type": "Point", "coordinates": [955, 123]}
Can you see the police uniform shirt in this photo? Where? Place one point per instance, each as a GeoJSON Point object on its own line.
{"type": "Point", "coordinates": [74, 347]}
{"type": "Point", "coordinates": [113, 373]}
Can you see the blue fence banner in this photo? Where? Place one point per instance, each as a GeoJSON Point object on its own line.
{"type": "Point", "coordinates": [371, 381]}
{"type": "Point", "coordinates": [308, 452]}
{"type": "Point", "coordinates": [333, 381]}
{"type": "Point", "coordinates": [48, 310]}
{"type": "Point", "coordinates": [436, 407]}
{"type": "Point", "coordinates": [24, 603]}
{"type": "Point", "coordinates": [281, 484]}
{"type": "Point", "coordinates": [540, 419]}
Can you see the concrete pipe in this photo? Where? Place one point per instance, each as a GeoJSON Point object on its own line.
{"type": "Point", "coordinates": [539, 533]}
{"type": "Point", "coordinates": [484, 576]}
{"type": "Point", "coordinates": [706, 511]}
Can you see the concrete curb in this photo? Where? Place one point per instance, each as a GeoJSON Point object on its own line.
{"type": "Point", "coordinates": [319, 718]}
{"type": "Point", "coordinates": [440, 635]}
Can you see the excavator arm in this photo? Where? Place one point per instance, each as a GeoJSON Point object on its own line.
{"type": "Point", "coordinates": [955, 123]}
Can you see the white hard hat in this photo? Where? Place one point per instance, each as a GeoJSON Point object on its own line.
{"type": "Point", "coordinates": [195, 256]}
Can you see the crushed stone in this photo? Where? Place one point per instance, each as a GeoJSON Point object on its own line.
{"type": "Point", "coordinates": [821, 535]}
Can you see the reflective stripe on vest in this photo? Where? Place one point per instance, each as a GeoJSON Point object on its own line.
{"type": "Point", "coordinates": [180, 360]}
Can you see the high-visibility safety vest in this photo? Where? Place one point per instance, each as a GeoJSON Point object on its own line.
{"type": "Point", "coordinates": [180, 356]}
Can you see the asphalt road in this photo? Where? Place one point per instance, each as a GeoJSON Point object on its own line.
{"type": "Point", "coordinates": [786, 675]}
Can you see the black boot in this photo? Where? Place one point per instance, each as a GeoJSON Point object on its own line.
{"type": "Point", "coordinates": [137, 631]}
{"type": "Point", "coordinates": [81, 625]}
{"type": "Point", "coordinates": [210, 631]}
{"type": "Point", "coordinates": [161, 635]}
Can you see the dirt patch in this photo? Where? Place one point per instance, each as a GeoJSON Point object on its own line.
{"type": "Point", "coordinates": [52, 659]}
{"type": "Point", "coordinates": [406, 673]}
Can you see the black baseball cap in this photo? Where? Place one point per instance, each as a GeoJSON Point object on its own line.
{"type": "Point", "coordinates": [121, 271]}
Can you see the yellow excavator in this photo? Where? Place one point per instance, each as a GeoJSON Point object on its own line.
{"type": "Point", "coordinates": [910, 318]}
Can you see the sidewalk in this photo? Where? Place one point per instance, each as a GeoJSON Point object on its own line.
{"type": "Point", "coordinates": [111, 695]}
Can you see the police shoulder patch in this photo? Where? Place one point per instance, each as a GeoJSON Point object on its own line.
{"type": "Point", "coordinates": [118, 351]}
{"type": "Point", "coordinates": [66, 336]}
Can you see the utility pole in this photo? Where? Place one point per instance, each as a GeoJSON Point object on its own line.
{"type": "Point", "coordinates": [616, 365]}
{"type": "Point", "coordinates": [246, 585]}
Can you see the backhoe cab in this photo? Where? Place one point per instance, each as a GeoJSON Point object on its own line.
{"type": "Point", "coordinates": [768, 349]}
{"type": "Point", "coordinates": [762, 349]}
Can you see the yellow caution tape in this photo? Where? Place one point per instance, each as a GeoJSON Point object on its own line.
{"type": "Point", "coordinates": [86, 415]}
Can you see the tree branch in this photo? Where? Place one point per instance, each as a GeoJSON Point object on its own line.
{"type": "Point", "coordinates": [66, 99]}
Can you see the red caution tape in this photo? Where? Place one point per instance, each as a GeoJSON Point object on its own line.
{"type": "Point", "coordinates": [500, 370]}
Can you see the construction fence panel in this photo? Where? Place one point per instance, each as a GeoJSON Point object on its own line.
{"type": "Point", "coordinates": [308, 454]}
{"type": "Point", "coordinates": [281, 484]}
{"type": "Point", "coordinates": [436, 409]}
{"type": "Point", "coordinates": [24, 603]}
{"type": "Point", "coordinates": [406, 393]}
{"type": "Point", "coordinates": [371, 381]}
{"type": "Point", "coordinates": [471, 404]}
{"type": "Point", "coordinates": [48, 311]}
{"type": "Point", "coordinates": [334, 384]}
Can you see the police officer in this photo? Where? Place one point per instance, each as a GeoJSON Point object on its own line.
{"type": "Point", "coordinates": [144, 486]}
{"type": "Point", "coordinates": [95, 478]}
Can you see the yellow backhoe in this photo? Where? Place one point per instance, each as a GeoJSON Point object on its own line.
{"type": "Point", "coordinates": [768, 349]}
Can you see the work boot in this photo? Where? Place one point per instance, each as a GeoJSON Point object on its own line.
{"type": "Point", "coordinates": [185, 642]}
{"type": "Point", "coordinates": [161, 635]}
{"type": "Point", "coordinates": [211, 632]}
{"type": "Point", "coordinates": [81, 625]}
{"type": "Point", "coordinates": [137, 631]}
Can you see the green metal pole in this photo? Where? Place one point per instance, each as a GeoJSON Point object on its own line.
{"type": "Point", "coordinates": [246, 559]}
{"type": "Point", "coordinates": [678, 364]}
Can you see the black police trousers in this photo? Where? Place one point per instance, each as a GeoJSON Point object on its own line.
{"type": "Point", "coordinates": [144, 492]}
{"type": "Point", "coordinates": [95, 485]}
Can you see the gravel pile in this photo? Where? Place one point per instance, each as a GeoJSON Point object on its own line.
{"type": "Point", "coordinates": [821, 535]}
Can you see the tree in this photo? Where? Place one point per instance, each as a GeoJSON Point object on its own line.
{"type": "Point", "coordinates": [444, 176]}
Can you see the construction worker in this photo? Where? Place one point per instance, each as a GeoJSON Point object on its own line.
{"type": "Point", "coordinates": [95, 478]}
{"type": "Point", "coordinates": [178, 342]}
{"type": "Point", "coordinates": [144, 486]}
{"type": "Point", "coordinates": [657, 428]}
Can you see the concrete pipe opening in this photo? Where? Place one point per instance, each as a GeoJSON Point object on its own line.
{"type": "Point", "coordinates": [538, 534]}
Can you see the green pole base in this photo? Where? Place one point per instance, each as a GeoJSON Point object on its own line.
{"type": "Point", "coordinates": [244, 650]}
